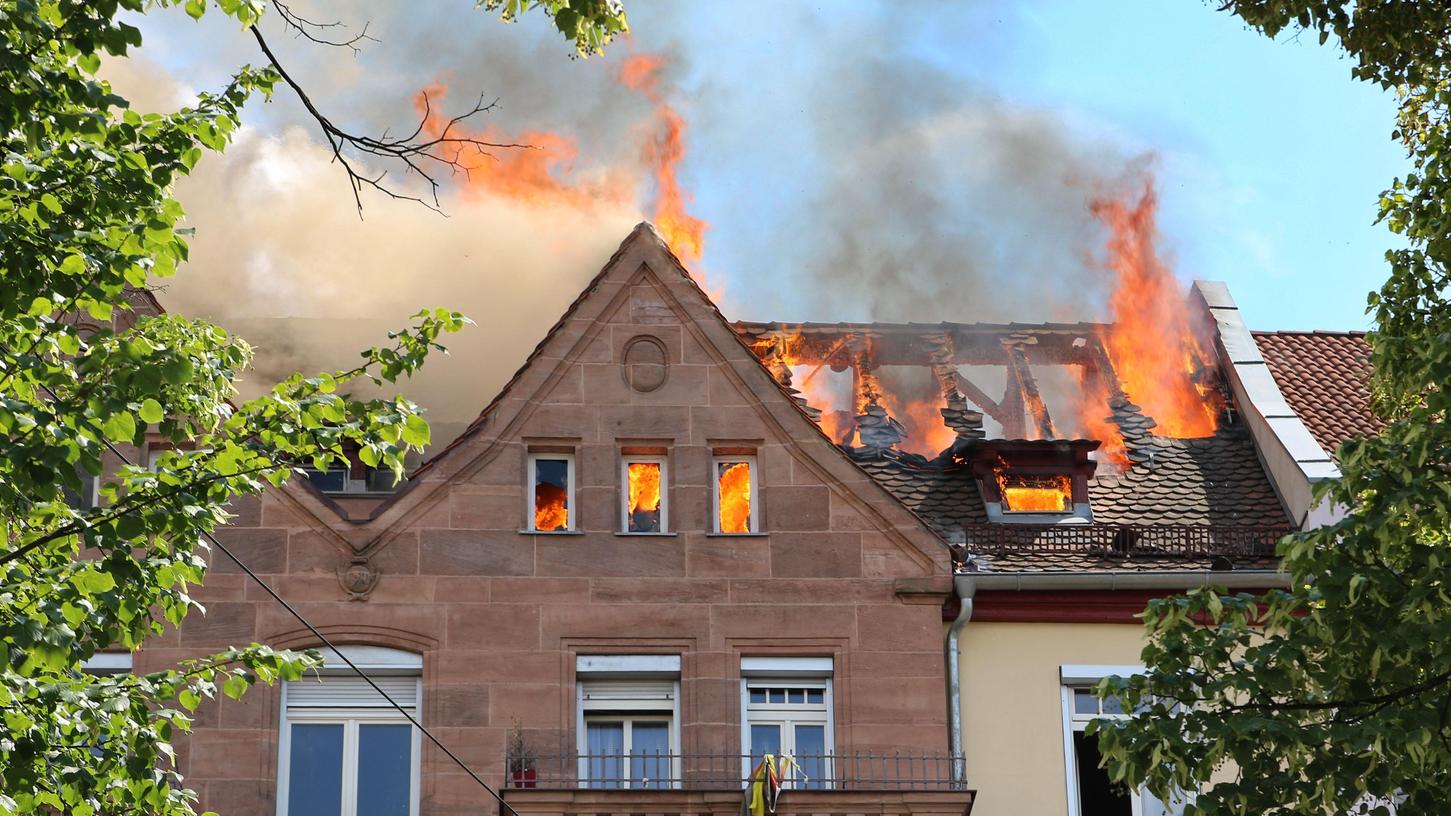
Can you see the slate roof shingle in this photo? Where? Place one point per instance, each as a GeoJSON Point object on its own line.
{"type": "Point", "coordinates": [1324, 376]}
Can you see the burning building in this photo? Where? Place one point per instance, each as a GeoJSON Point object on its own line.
{"type": "Point", "coordinates": [674, 545]}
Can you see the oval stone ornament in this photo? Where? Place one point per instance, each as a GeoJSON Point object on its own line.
{"type": "Point", "coordinates": [645, 364]}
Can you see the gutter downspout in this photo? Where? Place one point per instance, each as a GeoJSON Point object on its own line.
{"type": "Point", "coordinates": [965, 588]}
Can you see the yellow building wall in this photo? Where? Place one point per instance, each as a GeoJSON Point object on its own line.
{"type": "Point", "coordinates": [1013, 712]}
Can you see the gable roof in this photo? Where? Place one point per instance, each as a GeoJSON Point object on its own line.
{"type": "Point", "coordinates": [643, 257]}
{"type": "Point", "coordinates": [1324, 376]}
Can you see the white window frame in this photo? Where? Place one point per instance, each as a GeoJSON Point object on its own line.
{"type": "Point", "coordinates": [658, 669]}
{"type": "Point", "coordinates": [571, 506]}
{"type": "Point", "coordinates": [754, 525]}
{"type": "Point", "coordinates": [634, 459]}
{"type": "Point", "coordinates": [107, 663]}
{"type": "Point", "coordinates": [1078, 677]}
{"type": "Point", "coordinates": [628, 720]}
{"type": "Point", "coordinates": [788, 672]}
{"type": "Point", "coordinates": [375, 661]}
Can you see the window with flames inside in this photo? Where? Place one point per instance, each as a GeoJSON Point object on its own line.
{"type": "Point", "coordinates": [1024, 493]}
{"type": "Point", "coordinates": [552, 492]}
{"type": "Point", "coordinates": [644, 495]}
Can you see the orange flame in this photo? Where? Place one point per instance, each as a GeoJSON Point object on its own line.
{"type": "Point", "coordinates": [533, 166]}
{"type": "Point", "coordinates": [644, 479]}
{"type": "Point", "coordinates": [1154, 350]}
{"type": "Point", "coordinates": [683, 232]}
{"type": "Point", "coordinates": [791, 351]}
{"type": "Point", "coordinates": [1035, 494]}
{"type": "Point", "coordinates": [927, 433]}
{"type": "Point", "coordinates": [551, 511]}
{"type": "Point", "coordinates": [735, 498]}
{"type": "Point", "coordinates": [1093, 417]}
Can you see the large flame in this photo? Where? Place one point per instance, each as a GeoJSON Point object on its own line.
{"type": "Point", "coordinates": [534, 166]}
{"type": "Point", "coordinates": [551, 510]}
{"type": "Point", "coordinates": [735, 498]}
{"type": "Point", "coordinates": [806, 367]}
{"type": "Point", "coordinates": [644, 486]}
{"type": "Point", "coordinates": [682, 231]}
{"type": "Point", "coordinates": [1093, 418]}
{"type": "Point", "coordinates": [1035, 494]}
{"type": "Point", "coordinates": [1151, 343]}
{"type": "Point", "coordinates": [539, 167]}
{"type": "Point", "coordinates": [927, 433]}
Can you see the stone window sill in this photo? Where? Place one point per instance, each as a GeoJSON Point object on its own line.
{"type": "Point", "coordinates": [646, 535]}
{"type": "Point", "coordinates": [736, 535]}
{"type": "Point", "coordinates": [552, 532]}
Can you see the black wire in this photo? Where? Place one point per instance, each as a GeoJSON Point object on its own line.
{"type": "Point", "coordinates": [328, 643]}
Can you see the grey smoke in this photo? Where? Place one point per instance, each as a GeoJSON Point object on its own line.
{"type": "Point", "coordinates": [935, 199]}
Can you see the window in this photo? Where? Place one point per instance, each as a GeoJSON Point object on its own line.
{"type": "Point", "coordinates": [1090, 793]}
{"type": "Point", "coordinates": [355, 477]}
{"type": "Point", "coordinates": [88, 496]}
{"type": "Point", "coordinates": [734, 495]}
{"type": "Point", "coordinates": [103, 664]}
{"type": "Point", "coordinates": [644, 498]}
{"type": "Point", "coordinates": [1036, 494]}
{"type": "Point", "coordinates": [551, 492]}
{"type": "Point", "coordinates": [344, 750]}
{"type": "Point", "coordinates": [787, 705]}
{"type": "Point", "coordinates": [629, 715]}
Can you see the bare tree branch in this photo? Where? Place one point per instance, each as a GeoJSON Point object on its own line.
{"type": "Point", "coordinates": [420, 152]}
{"type": "Point", "coordinates": [315, 31]}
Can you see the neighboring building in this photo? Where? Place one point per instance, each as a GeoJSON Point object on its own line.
{"type": "Point", "coordinates": [650, 561]}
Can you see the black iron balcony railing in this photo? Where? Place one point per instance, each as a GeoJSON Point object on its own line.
{"type": "Point", "coordinates": [1121, 540]}
{"type": "Point", "coordinates": [654, 771]}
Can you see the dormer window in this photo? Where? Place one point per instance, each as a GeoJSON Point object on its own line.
{"type": "Point", "coordinates": [1023, 493]}
{"type": "Point", "coordinates": [1034, 481]}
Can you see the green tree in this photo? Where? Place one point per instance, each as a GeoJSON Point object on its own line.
{"type": "Point", "coordinates": [86, 222]}
{"type": "Point", "coordinates": [1334, 696]}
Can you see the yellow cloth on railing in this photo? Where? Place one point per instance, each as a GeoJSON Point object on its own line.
{"type": "Point", "coordinates": [762, 789]}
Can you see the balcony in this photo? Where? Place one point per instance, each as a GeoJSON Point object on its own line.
{"type": "Point", "coordinates": [716, 784]}
{"type": "Point", "coordinates": [1143, 542]}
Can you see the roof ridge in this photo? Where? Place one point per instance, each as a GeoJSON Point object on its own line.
{"type": "Point", "coordinates": [1309, 333]}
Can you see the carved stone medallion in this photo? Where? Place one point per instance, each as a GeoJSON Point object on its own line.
{"type": "Point", "coordinates": [358, 579]}
{"type": "Point", "coordinates": [645, 364]}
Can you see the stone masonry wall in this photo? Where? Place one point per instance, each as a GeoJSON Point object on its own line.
{"type": "Point", "coordinates": [499, 615]}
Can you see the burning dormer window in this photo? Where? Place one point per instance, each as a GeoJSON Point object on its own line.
{"type": "Point", "coordinates": [1037, 481]}
{"type": "Point", "coordinates": [551, 494]}
{"type": "Point", "coordinates": [1023, 493]}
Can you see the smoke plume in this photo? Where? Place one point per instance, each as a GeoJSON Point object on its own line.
{"type": "Point", "coordinates": [932, 199]}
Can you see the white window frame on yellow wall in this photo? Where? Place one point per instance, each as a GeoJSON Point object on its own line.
{"type": "Point", "coordinates": [753, 525]}
{"type": "Point", "coordinates": [1080, 678]}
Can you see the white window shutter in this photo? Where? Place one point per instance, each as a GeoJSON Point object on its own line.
{"type": "Point", "coordinates": [352, 692]}
{"type": "Point", "coordinates": [628, 695]}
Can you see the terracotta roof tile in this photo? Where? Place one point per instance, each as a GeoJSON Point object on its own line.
{"type": "Point", "coordinates": [1324, 377]}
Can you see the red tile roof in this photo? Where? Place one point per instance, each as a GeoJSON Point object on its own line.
{"type": "Point", "coordinates": [1324, 376]}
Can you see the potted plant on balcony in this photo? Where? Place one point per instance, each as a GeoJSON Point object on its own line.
{"type": "Point", "coordinates": [522, 762]}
